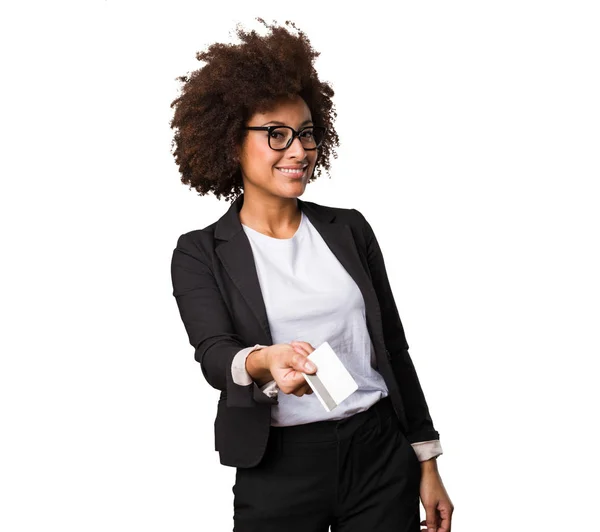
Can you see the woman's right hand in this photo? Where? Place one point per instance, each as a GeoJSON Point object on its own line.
{"type": "Point", "coordinates": [286, 366]}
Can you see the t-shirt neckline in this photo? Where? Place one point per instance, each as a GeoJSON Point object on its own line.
{"type": "Point", "coordinates": [295, 236]}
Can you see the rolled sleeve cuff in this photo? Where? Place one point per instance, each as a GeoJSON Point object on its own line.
{"type": "Point", "coordinates": [425, 450]}
{"type": "Point", "coordinates": [270, 389]}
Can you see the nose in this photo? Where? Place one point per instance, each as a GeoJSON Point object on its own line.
{"type": "Point", "coordinates": [295, 149]}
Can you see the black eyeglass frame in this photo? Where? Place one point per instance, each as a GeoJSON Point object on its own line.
{"type": "Point", "coordinates": [294, 135]}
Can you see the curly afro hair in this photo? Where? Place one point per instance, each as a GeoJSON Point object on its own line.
{"type": "Point", "coordinates": [237, 81]}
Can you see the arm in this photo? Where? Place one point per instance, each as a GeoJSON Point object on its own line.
{"type": "Point", "coordinates": [435, 499]}
{"type": "Point", "coordinates": [208, 324]}
{"type": "Point", "coordinates": [420, 425]}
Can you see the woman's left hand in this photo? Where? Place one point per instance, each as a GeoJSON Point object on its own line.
{"type": "Point", "coordinates": [435, 499]}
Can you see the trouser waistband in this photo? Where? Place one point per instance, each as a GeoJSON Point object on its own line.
{"type": "Point", "coordinates": [329, 430]}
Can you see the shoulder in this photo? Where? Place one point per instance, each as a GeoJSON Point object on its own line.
{"type": "Point", "coordinates": [198, 243]}
{"type": "Point", "coordinates": [344, 215]}
{"type": "Point", "coordinates": [207, 233]}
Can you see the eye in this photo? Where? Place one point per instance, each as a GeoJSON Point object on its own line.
{"type": "Point", "coordinates": [307, 134]}
{"type": "Point", "coordinates": [277, 134]}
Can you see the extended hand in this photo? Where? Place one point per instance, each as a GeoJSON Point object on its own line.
{"type": "Point", "coordinates": [287, 362]}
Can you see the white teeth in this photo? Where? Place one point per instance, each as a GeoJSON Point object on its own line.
{"type": "Point", "coordinates": [291, 171]}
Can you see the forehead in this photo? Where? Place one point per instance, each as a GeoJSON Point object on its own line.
{"type": "Point", "coordinates": [284, 110]}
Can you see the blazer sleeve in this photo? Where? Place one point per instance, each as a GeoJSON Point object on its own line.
{"type": "Point", "coordinates": [208, 324]}
{"type": "Point", "coordinates": [420, 424]}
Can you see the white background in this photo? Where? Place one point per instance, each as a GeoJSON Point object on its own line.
{"type": "Point", "coordinates": [469, 139]}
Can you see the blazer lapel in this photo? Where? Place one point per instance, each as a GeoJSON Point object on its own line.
{"type": "Point", "coordinates": [235, 253]}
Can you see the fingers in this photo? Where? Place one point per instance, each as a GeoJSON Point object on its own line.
{"type": "Point", "coordinates": [303, 390]}
{"type": "Point", "coordinates": [305, 349]}
{"type": "Point", "coordinates": [431, 520]}
{"type": "Point", "coordinates": [289, 370]}
{"type": "Point", "coordinates": [445, 517]}
{"type": "Point", "coordinates": [296, 385]}
{"type": "Point", "coordinates": [300, 362]}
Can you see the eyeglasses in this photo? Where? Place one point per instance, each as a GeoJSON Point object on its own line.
{"type": "Point", "coordinates": [281, 137]}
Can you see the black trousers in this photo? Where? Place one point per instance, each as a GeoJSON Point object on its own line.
{"type": "Point", "coordinates": [357, 474]}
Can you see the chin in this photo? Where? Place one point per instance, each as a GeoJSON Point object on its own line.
{"type": "Point", "coordinates": [291, 188]}
{"type": "Point", "coordinates": [292, 193]}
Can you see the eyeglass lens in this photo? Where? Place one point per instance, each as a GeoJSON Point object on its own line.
{"type": "Point", "coordinates": [310, 137]}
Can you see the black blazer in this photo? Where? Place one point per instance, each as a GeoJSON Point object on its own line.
{"type": "Point", "coordinates": [216, 287]}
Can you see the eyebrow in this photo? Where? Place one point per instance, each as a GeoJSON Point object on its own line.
{"type": "Point", "coordinates": [275, 122]}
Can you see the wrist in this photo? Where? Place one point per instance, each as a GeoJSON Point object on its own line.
{"type": "Point", "coordinates": [257, 366]}
{"type": "Point", "coordinates": [429, 466]}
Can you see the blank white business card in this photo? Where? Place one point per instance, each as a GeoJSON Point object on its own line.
{"type": "Point", "coordinates": [332, 382]}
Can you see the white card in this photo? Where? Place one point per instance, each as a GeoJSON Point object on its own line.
{"type": "Point", "coordinates": [332, 382]}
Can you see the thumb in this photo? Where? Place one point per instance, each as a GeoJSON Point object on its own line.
{"type": "Point", "coordinates": [304, 364]}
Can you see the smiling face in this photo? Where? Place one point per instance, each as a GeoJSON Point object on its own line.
{"type": "Point", "coordinates": [277, 173]}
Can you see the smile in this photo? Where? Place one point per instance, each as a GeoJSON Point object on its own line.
{"type": "Point", "coordinates": [293, 172]}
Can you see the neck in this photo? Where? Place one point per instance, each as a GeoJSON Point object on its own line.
{"type": "Point", "coordinates": [270, 214]}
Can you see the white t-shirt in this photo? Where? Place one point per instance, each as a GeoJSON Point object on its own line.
{"type": "Point", "coordinates": [309, 296]}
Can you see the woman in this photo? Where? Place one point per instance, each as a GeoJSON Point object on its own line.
{"type": "Point", "coordinates": [274, 278]}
